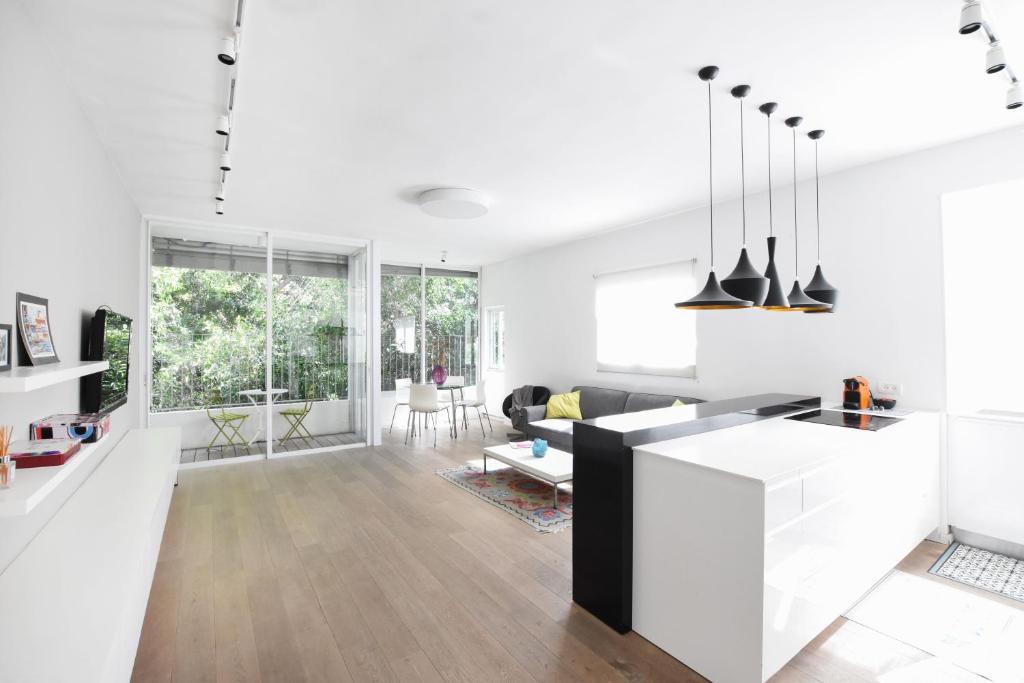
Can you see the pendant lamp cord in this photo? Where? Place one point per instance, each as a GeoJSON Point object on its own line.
{"type": "Point", "coordinates": [711, 192]}
{"type": "Point", "coordinates": [817, 203]}
{"type": "Point", "coordinates": [796, 234]}
{"type": "Point", "coordinates": [743, 176]}
{"type": "Point", "coordinates": [771, 217]}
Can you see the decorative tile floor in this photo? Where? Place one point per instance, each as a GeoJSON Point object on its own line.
{"type": "Point", "coordinates": [982, 569]}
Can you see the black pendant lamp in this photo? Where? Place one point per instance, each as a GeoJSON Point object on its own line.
{"type": "Point", "coordinates": [775, 299]}
{"type": "Point", "coordinates": [745, 282]}
{"type": "Point", "coordinates": [819, 288]}
{"type": "Point", "coordinates": [712, 297]}
{"type": "Point", "coordinates": [798, 299]}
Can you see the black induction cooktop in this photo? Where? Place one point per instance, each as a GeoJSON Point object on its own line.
{"type": "Point", "coordinates": [839, 418]}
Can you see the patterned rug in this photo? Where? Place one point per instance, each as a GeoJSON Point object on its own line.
{"type": "Point", "coordinates": [982, 569]}
{"type": "Point", "coordinates": [515, 493]}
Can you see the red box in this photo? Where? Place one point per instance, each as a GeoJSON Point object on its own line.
{"type": "Point", "coordinates": [27, 461]}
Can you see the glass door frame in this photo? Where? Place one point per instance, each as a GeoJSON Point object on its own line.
{"type": "Point", "coordinates": [371, 383]}
{"type": "Point", "coordinates": [422, 325]}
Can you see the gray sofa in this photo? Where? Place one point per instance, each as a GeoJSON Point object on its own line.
{"type": "Point", "coordinates": [594, 402]}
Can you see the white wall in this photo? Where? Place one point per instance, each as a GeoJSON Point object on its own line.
{"type": "Point", "coordinates": [70, 233]}
{"type": "Point", "coordinates": [881, 247]}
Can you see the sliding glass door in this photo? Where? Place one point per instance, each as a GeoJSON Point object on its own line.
{"type": "Point", "coordinates": [452, 322]}
{"type": "Point", "coordinates": [257, 344]}
{"type": "Point", "coordinates": [319, 346]}
{"type": "Point", "coordinates": [401, 321]}
{"type": "Point", "coordinates": [429, 317]}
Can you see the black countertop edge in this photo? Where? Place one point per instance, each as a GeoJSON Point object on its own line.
{"type": "Point", "coordinates": [697, 418]}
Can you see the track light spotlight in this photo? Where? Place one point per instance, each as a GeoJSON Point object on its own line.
{"type": "Point", "coordinates": [220, 196]}
{"type": "Point", "coordinates": [220, 207]}
{"type": "Point", "coordinates": [228, 47]}
{"type": "Point", "coordinates": [223, 125]}
{"type": "Point", "coordinates": [995, 58]}
{"type": "Point", "coordinates": [1014, 96]}
{"type": "Point", "coordinates": [225, 162]}
{"type": "Point", "coordinates": [970, 17]}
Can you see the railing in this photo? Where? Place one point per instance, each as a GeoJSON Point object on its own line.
{"type": "Point", "coordinates": [462, 357]}
{"type": "Point", "coordinates": [196, 371]}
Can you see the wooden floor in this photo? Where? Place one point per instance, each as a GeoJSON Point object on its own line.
{"type": "Point", "coordinates": [260, 447]}
{"type": "Point", "coordinates": [362, 565]}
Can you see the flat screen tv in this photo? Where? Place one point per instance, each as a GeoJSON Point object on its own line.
{"type": "Point", "coordinates": [110, 336]}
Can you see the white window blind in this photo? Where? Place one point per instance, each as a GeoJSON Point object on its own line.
{"type": "Point", "coordinates": [639, 330]}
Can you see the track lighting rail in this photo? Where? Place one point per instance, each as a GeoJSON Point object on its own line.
{"type": "Point", "coordinates": [993, 42]}
{"type": "Point", "coordinates": [229, 56]}
{"type": "Point", "coordinates": [973, 19]}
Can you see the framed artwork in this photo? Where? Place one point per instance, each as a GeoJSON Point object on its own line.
{"type": "Point", "coordinates": [6, 344]}
{"type": "Point", "coordinates": [34, 328]}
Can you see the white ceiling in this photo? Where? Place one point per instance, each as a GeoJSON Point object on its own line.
{"type": "Point", "coordinates": [574, 116]}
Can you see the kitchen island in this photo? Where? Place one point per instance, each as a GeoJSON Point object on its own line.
{"type": "Point", "coordinates": [748, 541]}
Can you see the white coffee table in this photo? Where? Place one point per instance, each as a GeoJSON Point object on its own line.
{"type": "Point", "coordinates": [554, 468]}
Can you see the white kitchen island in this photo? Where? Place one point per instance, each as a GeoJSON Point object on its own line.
{"type": "Point", "coordinates": [749, 541]}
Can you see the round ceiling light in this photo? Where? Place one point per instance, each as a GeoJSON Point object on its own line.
{"type": "Point", "coordinates": [450, 202]}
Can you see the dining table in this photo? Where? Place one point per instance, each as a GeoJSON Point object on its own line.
{"type": "Point", "coordinates": [451, 388]}
{"type": "Point", "coordinates": [254, 396]}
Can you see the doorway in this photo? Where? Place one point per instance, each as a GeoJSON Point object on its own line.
{"type": "Point", "coordinates": [257, 342]}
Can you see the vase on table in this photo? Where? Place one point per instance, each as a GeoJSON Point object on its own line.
{"type": "Point", "coordinates": [440, 373]}
{"type": "Point", "coordinates": [540, 448]}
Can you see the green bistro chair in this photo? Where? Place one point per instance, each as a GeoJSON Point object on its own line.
{"type": "Point", "coordinates": [228, 424]}
{"type": "Point", "coordinates": [295, 415]}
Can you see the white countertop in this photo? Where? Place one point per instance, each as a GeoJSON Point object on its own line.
{"type": "Point", "coordinates": [769, 449]}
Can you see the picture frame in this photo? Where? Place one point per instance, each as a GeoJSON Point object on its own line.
{"type": "Point", "coordinates": [33, 320]}
{"type": "Point", "coordinates": [6, 346]}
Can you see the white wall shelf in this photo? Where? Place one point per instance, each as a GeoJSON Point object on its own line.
{"type": "Point", "coordinates": [29, 378]}
{"type": "Point", "coordinates": [32, 486]}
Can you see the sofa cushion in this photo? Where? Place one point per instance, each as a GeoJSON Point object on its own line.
{"type": "Point", "coordinates": [564, 405]}
{"type": "Point", "coordinates": [598, 402]}
{"type": "Point", "coordinates": [638, 402]}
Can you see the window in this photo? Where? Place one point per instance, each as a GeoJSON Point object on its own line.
{"type": "Point", "coordinates": [639, 330]}
{"type": "Point", "coordinates": [429, 316]}
{"type": "Point", "coordinates": [208, 324]}
{"type": "Point", "coordinates": [451, 316]}
{"type": "Point", "coordinates": [401, 298]}
{"type": "Point", "coordinates": [496, 338]}
{"type": "Point", "coordinates": [982, 242]}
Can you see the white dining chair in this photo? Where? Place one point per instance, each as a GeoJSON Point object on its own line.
{"type": "Point", "coordinates": [402, 387]}
{"type": "Point", "coordinates": [423, 400]}
{"type": "Point", "coordinates": [446, 394]}
{"type": "Point", "coordinates": [478, 401]}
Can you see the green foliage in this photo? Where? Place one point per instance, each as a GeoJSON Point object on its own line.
{"type": "Point", "coordinates": [452, 321]}
{"type": "Point", "coordinates": [209, 336]}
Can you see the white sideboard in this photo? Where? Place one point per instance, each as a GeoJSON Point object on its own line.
{"type": "Point", "coordinates": [72, 603]}
{"type": "Point", "coordinates": [749, 541]}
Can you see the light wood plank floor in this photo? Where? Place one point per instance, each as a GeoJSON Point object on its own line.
{"type": "Point", "coordinates": [362, 565]}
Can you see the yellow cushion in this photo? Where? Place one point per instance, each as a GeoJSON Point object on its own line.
{"type": "Point", "coordinates": [564, 406]}
{"type": "Point", "coordinates": [676, 403]}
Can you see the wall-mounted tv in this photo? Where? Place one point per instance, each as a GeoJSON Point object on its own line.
{"type": "Point", "coordinates": [110, 336]}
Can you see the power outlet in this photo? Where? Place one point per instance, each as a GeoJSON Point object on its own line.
{"type": "Point", "coordinates": [890, 388]}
